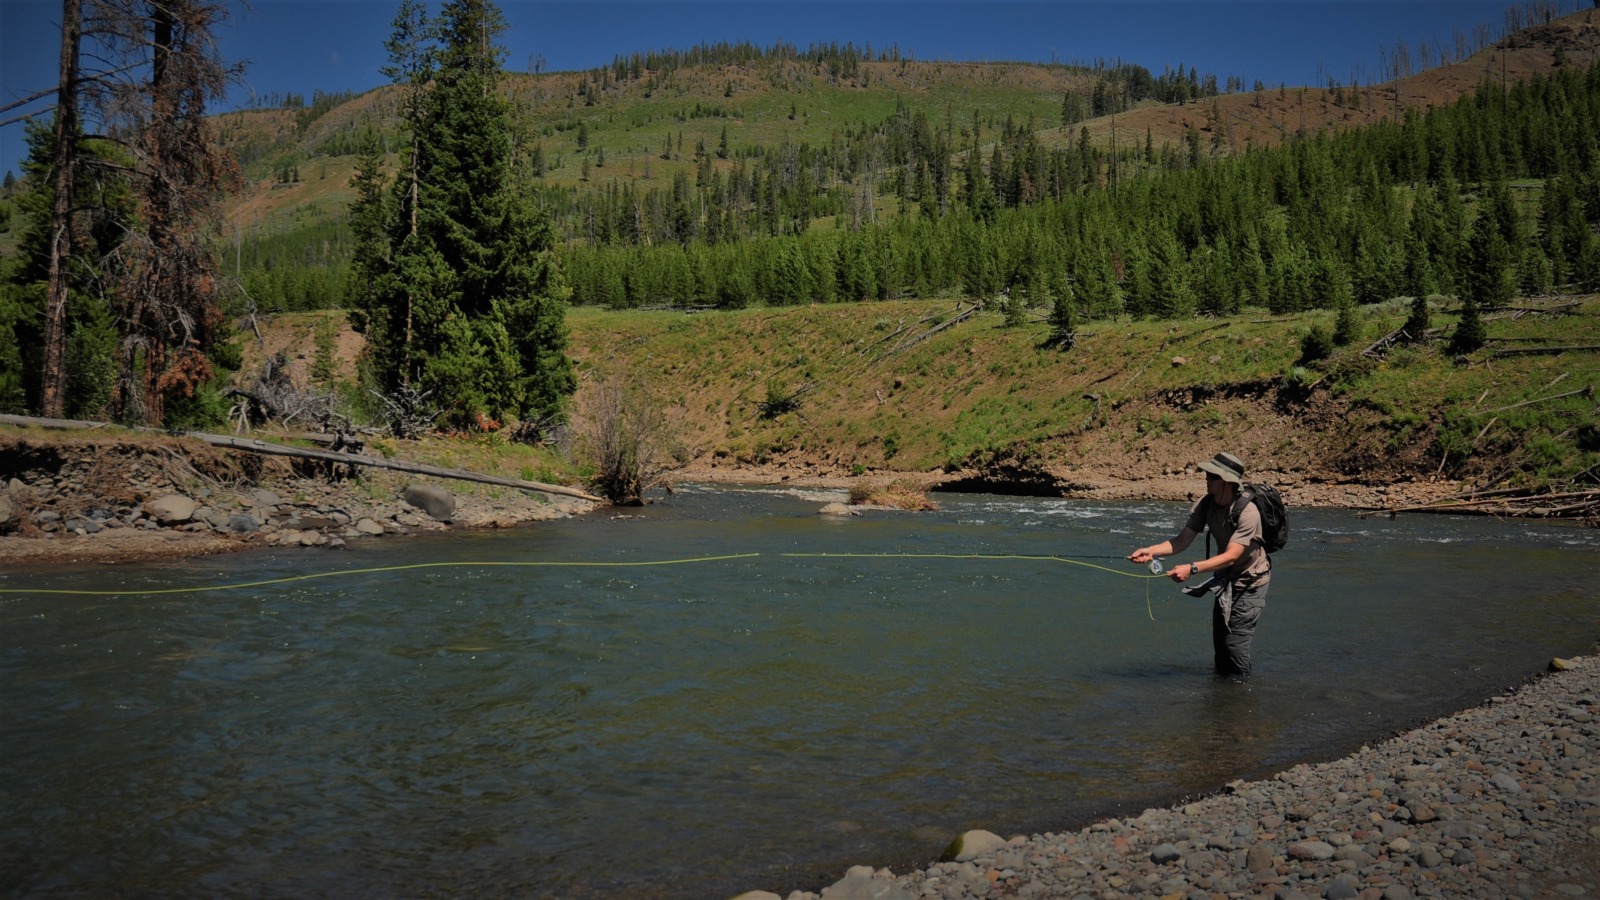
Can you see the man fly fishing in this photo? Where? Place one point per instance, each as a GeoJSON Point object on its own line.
{"type": "Point", "coordinates": [1241, 569]}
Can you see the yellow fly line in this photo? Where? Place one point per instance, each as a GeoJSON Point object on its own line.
{"type": "Point", "coordinates": [484, 564]}
{"type": "Point", "coordinates": [339, 573]}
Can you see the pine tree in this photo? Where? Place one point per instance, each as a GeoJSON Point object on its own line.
{"type": "Point", "coordinates": [1489, 276]}
{"type": "Point", "coordinates": [1417, 323]}
{"type": "Point", "coordinates": [372, 291]}
{"type": "Point", "coordinates": [1063, 332]}
{"type": "Point", "coordinates": [1347, 326]}
{"type": "Point", "coordinates": [472, 309]}
{"type": "Point", "coordinates": [1469, 334]}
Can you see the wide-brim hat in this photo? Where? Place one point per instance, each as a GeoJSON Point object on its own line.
{"type": "Point", "coordinates": [1225, 466]}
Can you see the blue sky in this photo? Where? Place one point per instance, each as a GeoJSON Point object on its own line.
{"type": "Point", "coordinates": [306, 45]}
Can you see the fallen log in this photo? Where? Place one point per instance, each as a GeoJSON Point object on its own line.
{"type": "Point", "coordinates": [1520, 504]}
{"type": "Point", "coordinates": [266, 448]}
{"type": "Point", "coordinates": [1382, 344]}
{"type": "Point", "coordinates": [1559, 307]}
{"type": "Point", "coordinates": [1542, 351]}
{"type": "Point", "coordinates": [1580, 392]}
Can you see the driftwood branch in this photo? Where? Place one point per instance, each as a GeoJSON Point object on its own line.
{"type": "Point", "coordinates": [251, 445]}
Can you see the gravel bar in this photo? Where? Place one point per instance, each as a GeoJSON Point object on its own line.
{"type": "Point", "coordinates": [1502, 800]}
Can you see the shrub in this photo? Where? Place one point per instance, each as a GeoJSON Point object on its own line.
{"type": "Point", "coordinates": [624, 433]}
{"type": "Point", "coordinates": [896, 495]}
{"type": "Point", "coordinates": [1316, 344]}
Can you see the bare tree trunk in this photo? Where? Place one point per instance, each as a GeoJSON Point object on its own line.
{"type": "Point", "coordinates": [54, 376]}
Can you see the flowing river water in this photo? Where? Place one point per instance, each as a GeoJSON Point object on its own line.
{"type": "Point", "coordinates": [703, 727]}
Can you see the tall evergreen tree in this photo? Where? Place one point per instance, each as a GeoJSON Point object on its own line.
{"type": "Point", "coordinates": [370, 224]}
{"type": "Point", "coordinates": [473, 307]}
{"type": "Point", "coordinates": [1489, 277]}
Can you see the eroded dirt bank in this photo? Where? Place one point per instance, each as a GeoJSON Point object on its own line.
{"type": "Point", "coordinates": [68, 498]}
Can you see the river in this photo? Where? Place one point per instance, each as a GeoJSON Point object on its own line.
{"type": "Point", "coordinates": [453, 714]}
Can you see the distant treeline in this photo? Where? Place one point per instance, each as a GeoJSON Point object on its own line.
{"type": "Point", "coordinates": [919, 210]}
{"type": "Point", "coordinates": [1364, 215]}
{"type": "Point", "coordinates": [842, 59]}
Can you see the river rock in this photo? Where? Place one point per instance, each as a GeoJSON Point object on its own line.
{"type": "Point", "coordinates": [367, 526]}
{"type": "Point", "coordinates": [1506, 782]}
{"type": "Point", "coordinates": [1344, 887]}
{"type": "Point", "coordinates": [838, 509]}
{"type": "Point", "coordinates": [431, 499]}
{"type": "Point", "coordinates": [171, 509]}
{"type": "Point", "coordinates": [1311, 850]}
{"type": "Point", "coordinates": [973, 844]}
{"type": "Point", "coordinates": [859, 884]}
{"type": "Point", "coordinates": [758, 895]}
{"type": "Point", "coordinates": [7, 509]}
{"type": "Point", "coordinates": [1258, 858]}
{"type": "Point", "coordinates": [242, 523]}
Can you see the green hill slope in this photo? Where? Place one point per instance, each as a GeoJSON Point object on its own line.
{"type": "Point", "coordinates": [842, 390]}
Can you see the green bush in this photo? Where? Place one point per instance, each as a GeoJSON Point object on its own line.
{"type": "Point", "coordinates": [204, 410]}
{"type": "Point", "coordinates": [1316, 344]}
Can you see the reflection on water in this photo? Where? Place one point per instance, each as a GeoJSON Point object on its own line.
{"type": "Point", "coordinates": [703, 728]}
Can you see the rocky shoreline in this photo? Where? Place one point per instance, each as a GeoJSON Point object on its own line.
{"type": "Point", "coordinates": [104, 502]}
{"type": "Point", "coordinates": [1502, 800]}
{"type": "Point", "coordinates": [116, 503]}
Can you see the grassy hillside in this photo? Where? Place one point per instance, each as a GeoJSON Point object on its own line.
{"type": "Point", "coordinates": [591, 131]}
{"type": "Point", "coordinates": [915, 386]}
{"type": "Point", "coordinates": [879, 386]}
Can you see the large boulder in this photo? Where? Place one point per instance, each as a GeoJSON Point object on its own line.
{"type": "Point", "coordinates": [8, 510]}
{"type": "Point", "coordinates": [173, 509]}
{"type": "Point", "coordinates": [972, 845]}
{"type": "Point", "coordinates": [431, 499]}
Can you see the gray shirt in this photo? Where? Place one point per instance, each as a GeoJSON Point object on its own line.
{"type": "Point", "coordinates": [1213, 516]}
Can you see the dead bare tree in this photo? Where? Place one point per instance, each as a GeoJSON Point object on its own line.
{"type": "Point", "coordinates": [168, 303]}
{"type": "Point", "coordinates": [54, 377]}
{"type": "Point", "coordinates": [137, 74]}
{"type": "Point", "coordinates": [625, 433]}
